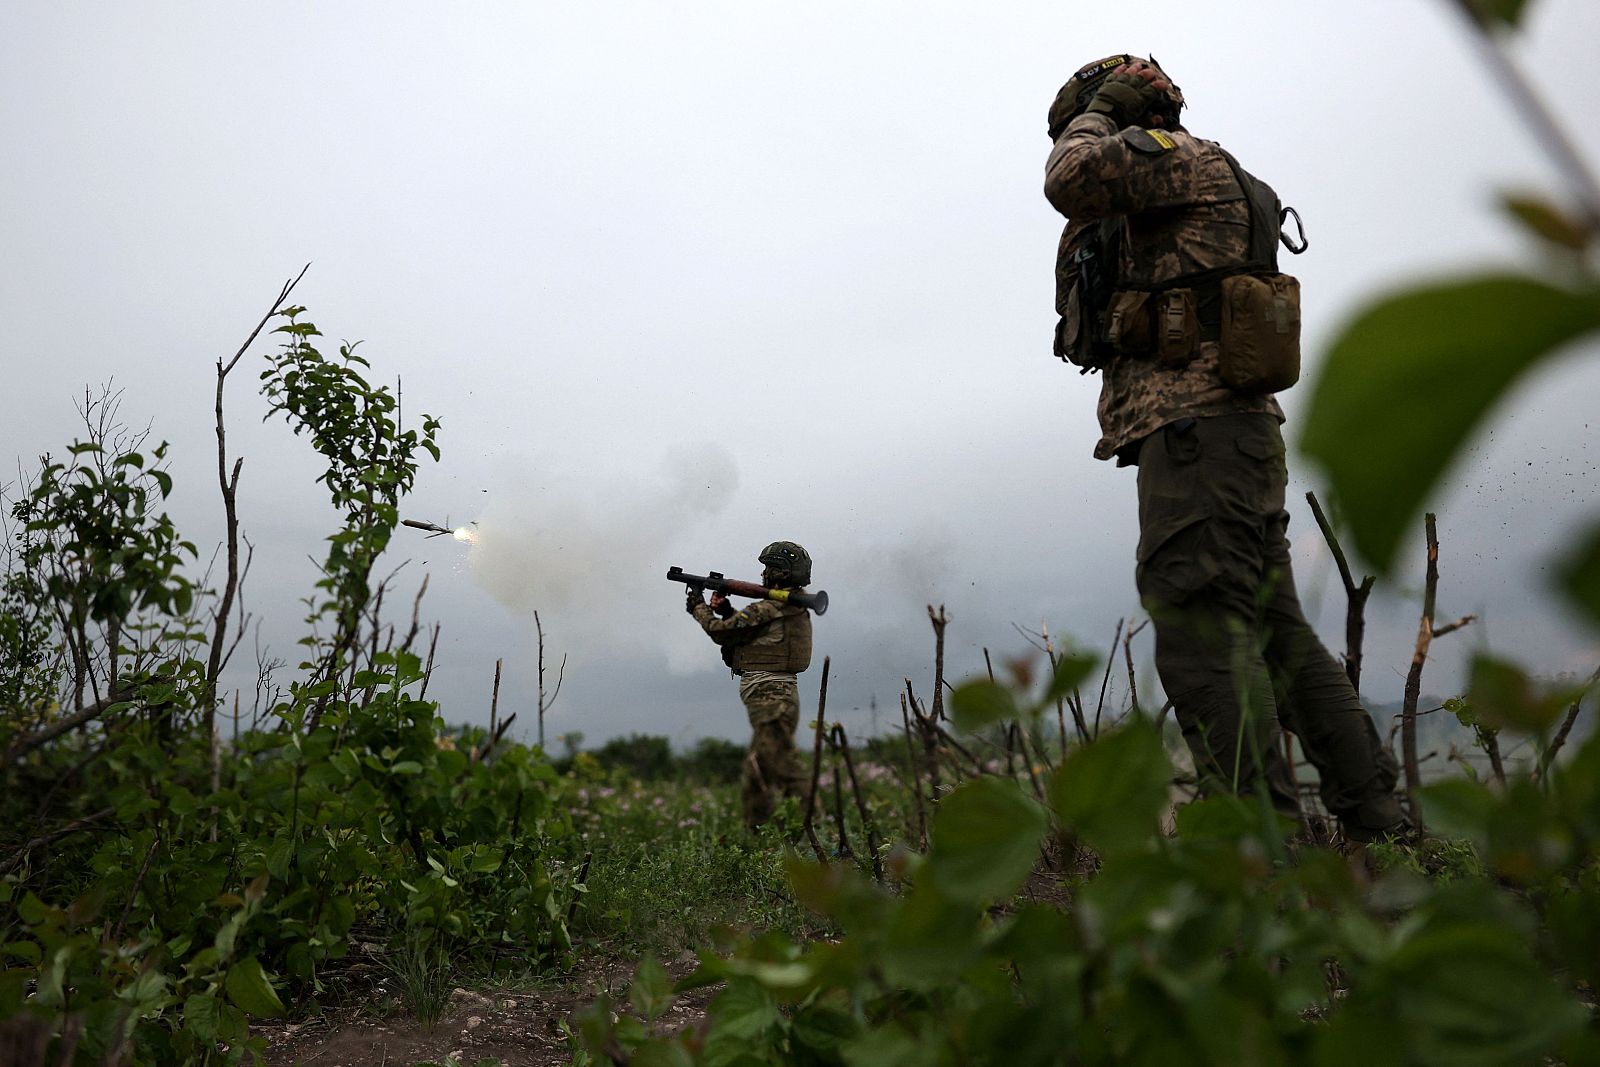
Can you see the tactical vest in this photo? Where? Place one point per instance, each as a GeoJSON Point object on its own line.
{"type": "Point", "coordinates": [782, 645]}
{"type": "Point", "coordinates": [1249, 305]}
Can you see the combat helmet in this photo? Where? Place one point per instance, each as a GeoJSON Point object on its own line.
{"type": "Point", "coordinates": [787, 561]}
{"type": "Point", "coordinates": [1074, 96]}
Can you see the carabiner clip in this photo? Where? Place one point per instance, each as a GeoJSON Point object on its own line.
{"type": "Point", "coordinates": [1288, 242]}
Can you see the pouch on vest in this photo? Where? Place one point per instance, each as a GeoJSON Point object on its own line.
{"type": "Point", "coordinates": [1128, 322]}
{"type": "Point", "coordinates": [1259, 350]}
{"type": "Point", "coordinates": [1071, 343]}
{"type": "Point", "coordinates": [1177, 327]}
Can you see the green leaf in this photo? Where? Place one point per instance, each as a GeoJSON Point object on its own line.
{"type": "Point", "coordinates": [1070, 672]}
{"type": "Point", "coordinates": [1488, 13]}
{"type": "Point", "coordinates": [200, 1014]}
{"type": "Point", "coordinates": [1112, 792]}
{"type": "Point", "coordinates": [248, 987]}
{"type": "Point", "coordinates": [1457, 807]}
{"type": "Point", "coordinates": [977, 704]}
{"type": "Point", "coordinates": [1406, 383]}
{"type": "Point", "coordinates": [1502, 696]}
{"type": "Point", "coordinates": [1549, 222]}
{"type": "Point", "coordinates": [1580, 575]}
{"type": "Point", "coordinates": [651, 991]}
{"type": "Point", "coordinates": [985, 840]}
{"type": "Point", "coordinates": [743, 1010]}
{"type": "Point", "coordinates": [406, 766]}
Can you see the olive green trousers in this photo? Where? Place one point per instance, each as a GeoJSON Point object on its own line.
{"type": "Point", "coordinates": [1234, 651]}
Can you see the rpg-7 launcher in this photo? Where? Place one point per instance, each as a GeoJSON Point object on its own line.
{"type": "Point", "coordinates": [817, 602]}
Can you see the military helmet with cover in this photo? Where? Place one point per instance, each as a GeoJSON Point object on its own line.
{"type": "Point", "coordinates": [787, 561]}
{"type": "Point", "coordinates": [1074, 96]}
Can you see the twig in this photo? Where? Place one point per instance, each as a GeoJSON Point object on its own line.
{"type": "Point", "coordinates": [55, 835]}
{"type": "Point", "coordinates": [916, 776]}
{"type": "Point", "coordinates": [940, 621]}
{"type": "Point", "coordinates": [230, 493]}
{"type": "Point", "coordinates": [1111, 657]}
{"type": "Point", "coordinates": [843, 743]}
{"type": "Point", "coordinates": [1355, 612]}
{"type": "Point", "coordinates": [1543, 124]}
{"type": "Point", "coordinates": [1548, 759]}
{"type": "Point", "coordinates": [1408, 710]}
{"type": "Point", "coordinates": [816, 769]}
{"type": "Point", "coordinates": [1127, 652]}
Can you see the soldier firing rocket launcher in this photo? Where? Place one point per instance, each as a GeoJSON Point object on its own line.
{"type": "Point", "coordinates": [817, 602]}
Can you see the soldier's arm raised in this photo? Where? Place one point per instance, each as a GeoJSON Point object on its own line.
{"type": "Point", "coordinates": [739, 626]}
{"type": "Point", "coordinates": [1096, 170]}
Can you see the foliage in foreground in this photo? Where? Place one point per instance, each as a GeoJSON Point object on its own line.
{"type": "Point", "coordinates": [1218, 944]}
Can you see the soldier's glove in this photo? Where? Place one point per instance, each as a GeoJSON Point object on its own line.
{"type": "Point", "coordinates": [696, 598]}
{"type": "Point", "coordinates": [1126, 98]}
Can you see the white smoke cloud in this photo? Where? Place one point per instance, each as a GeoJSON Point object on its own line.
{"type": "Point", "coordinates": [590, 555]}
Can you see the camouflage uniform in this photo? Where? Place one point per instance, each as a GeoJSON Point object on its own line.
{"type": "Point", "coordinates": [1233, 648]}
{"type": "Point", "coordinates": [767, 644]}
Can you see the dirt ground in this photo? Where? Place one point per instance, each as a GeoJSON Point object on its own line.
{"type": "Point", "coordinates": [519, 1027]}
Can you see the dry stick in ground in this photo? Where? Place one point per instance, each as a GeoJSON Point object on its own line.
{"type": "Point", "coordinates": [838, 801]}
{"type": "Point", "coordinates": [930, 743]}
{"type": "Point", "coordinates": [1408, 709]}
{"type": "Point", "coordinates": [561, 674]}
{"type": "Point", "coordinates": [1127, 652]}
{"type": "Point", "coordinates": [1425, 635]}
{"type": "Point", "coordinates": [940, 621]}
{"type": "Point", "coordinates": [816, 768]}
{"type": "Point", "coordinates": [1111, 657]}
{"type": "Point", "coordinates": [1027, 761]}
{"type": "Point", "coordinates": [427, 668]}
{"type": "Point", "coordinates": [921, 828]}
{"type": "Point", "coordinates": [842, 742]}
{"type": "Point", "coordinates": [1355, 612]}
{"type": "Point", "coordinates": [1548, 759]}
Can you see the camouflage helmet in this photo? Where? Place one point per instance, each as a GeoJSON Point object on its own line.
{"type": "Point", "coordinates": [788, 561]}
{"type": "Point", "coordinates": [1074, 96]}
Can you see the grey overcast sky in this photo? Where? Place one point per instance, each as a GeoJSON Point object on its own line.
{"type": "Point", "coordinates": [685, 278]}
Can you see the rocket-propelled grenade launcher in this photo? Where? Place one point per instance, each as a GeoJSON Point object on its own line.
{"type": "Point", "coordinates": [817, 602]}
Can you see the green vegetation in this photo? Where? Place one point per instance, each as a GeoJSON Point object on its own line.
{"type": "Point", "coordinates": [160, 888]}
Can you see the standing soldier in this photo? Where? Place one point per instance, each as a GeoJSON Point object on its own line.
{"type": "Point", "coordinates": [1167, 283]}
{"type": "Point", "coordinates": [767, 644]}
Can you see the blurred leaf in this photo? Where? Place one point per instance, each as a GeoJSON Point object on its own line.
{"type": "Point", "coordinates": [985, 839]}
{"type": "Point", "coordinates": [1220, 818]}
{"type": "Point", "coordinates": [1580, 575]}
{"type": "Point", "coordinates": [743, 1010]}
{"type": "Point", "coordinates": [1549, 222]}
{"type": "Point", "coordinates": [248, 987]}
{"type": "Point", "coordinates": [1112, 792]}
{"type": "Point", "coordinates": [1491, 12]}
{"type": "Point", "coordinates": [1460, 808]}
{"type": "Point", "coordinates": [1070, 672]}
{"type": "Point", "coordinates": [1406, 383]}
{"type": "Point", "coordinates": [929, 940]}
{"type": "Point", "coordinates": [1502, 696]}
{"type": "Point", "coordinates": [977, 704]}
{"type": "Point", "coordinates": [651, 991]}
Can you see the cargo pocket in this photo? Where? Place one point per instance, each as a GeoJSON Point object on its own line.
{"type": "Point", "coordinates": [1176, 558]}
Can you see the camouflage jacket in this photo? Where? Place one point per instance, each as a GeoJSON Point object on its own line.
{"type": "Point", "coordinates": [763, 635]}
{"type": "Point", "coordinates": [1181, 213]}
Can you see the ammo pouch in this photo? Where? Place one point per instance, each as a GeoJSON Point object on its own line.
{"type": "Point", "coordinates": [1259, 346]}
{"type": "Point", "coordinates": [1165, 322]}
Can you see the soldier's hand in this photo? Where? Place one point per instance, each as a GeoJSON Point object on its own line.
{"type": "Point", "coordinates": [696, 598]}
{"type": "Point", "coordinates": [1129, 93]}
{"type": "Point", "coordinates": [718, 599]}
